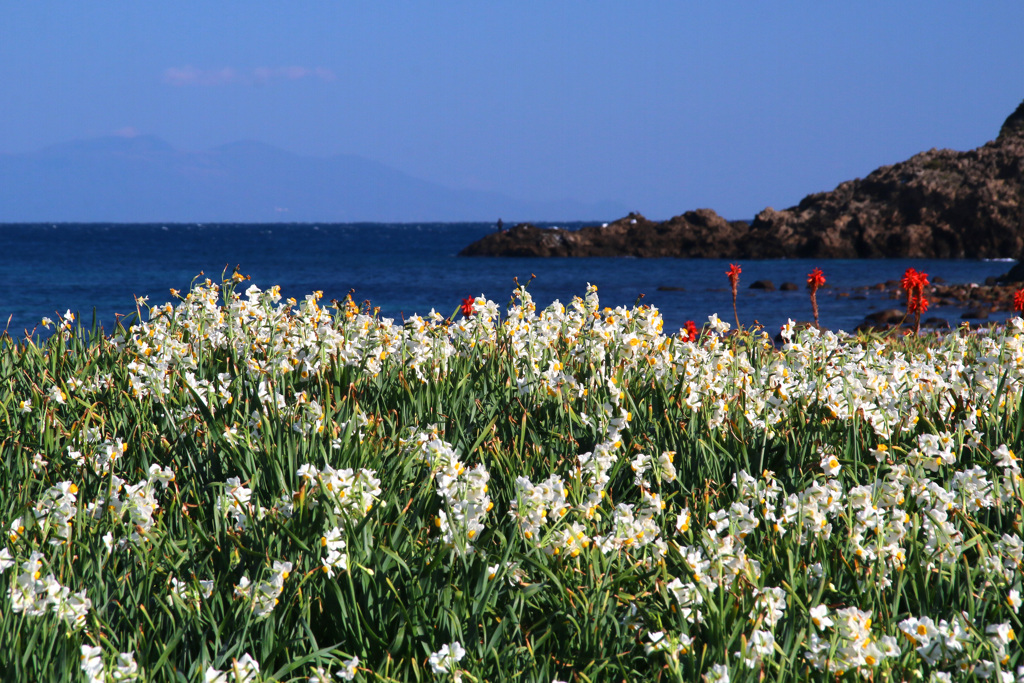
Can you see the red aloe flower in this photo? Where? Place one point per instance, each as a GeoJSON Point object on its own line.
{"type": "Point", "coordinates": [467, 306]}
{"type": "Point", "coordinates": [1018, 300]}
{"type": "Point", "coordinates": [734, 280]}
{"type": "Point", "coordinates": [734, 274]}
{"type": "Point", "coordinates": [914, 283]}
{"type": "Point", "coordinates": [914, 280]}
{"type": "Point", "coordinates": [690, 330]}
{"type": "Point", "coordinates": [909, 280]}
{"type": "Point", "coordinates": [918, 305]}
{"type": "Point", "coordinates": [815, 279]}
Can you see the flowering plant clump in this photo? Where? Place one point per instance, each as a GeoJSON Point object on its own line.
{"type": "Point", "coordinates": [244, 487]}
{"type": "Point", "coordinates": [913, 283]}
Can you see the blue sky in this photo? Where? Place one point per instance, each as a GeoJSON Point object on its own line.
{"type": "Point", "coordinates": [662, 106]}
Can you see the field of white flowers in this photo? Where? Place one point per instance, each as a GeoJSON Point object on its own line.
{"type": "Point", "coordinates": [239, 487]}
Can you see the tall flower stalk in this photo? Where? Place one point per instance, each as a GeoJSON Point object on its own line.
{"type": "Point", "coordinates": [913, 283]}
{"type": "Point", "coordinates": [815, 279]}
{"type": "Point", "coordinates": [734, 280]}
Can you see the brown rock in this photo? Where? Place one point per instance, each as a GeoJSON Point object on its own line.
{"type": "Point", "coordinates": [1014, 123]}
{"type": "Point", "coordinates": [766, 285]}
{"type": "Point", "coordinates": [1015, 274]}
{"type": "Point", "coordinates": [886, 317]}
{"type": "Point", "coordinates": [701, 233]}
{"type": "Point", "coordinates": [937, 204]}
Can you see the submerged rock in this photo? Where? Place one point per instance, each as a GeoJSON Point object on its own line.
{"type": "Point", "coordinates": [887, 317]}
{"type": "Point", "coordinates": [975, 314]}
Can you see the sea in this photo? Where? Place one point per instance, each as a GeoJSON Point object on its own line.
{"type": "Point", "coordinates": [96, 271]}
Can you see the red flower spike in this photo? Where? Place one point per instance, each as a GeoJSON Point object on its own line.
{"type": "Point", "coordinates": [815, 279]}
{"type": "Point", "coordinates": [467, 306]}
{"type": "Point", "coordinates": [734, 279]}
{"type": "Point", "coordinates": [690, 330]}
{"type": "Point", "coordinates": [913, 279]}
{"type": "Point", "coordinates": [1018, 300]}
{"type": "Point", "coordinates": [914, 283]}
{"type": "Point", "coordinates": [909, 280]}
{"type": "Point", "coordinates": [734, 274]}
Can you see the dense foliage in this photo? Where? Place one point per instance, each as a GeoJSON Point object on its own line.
{"type": "Point", "coordinates": [244, 488]}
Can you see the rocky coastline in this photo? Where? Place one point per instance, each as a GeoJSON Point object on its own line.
{"type": "Point", "coordinates": [937, 204]}
{"type": "Point", "coordinates": [979, 302]}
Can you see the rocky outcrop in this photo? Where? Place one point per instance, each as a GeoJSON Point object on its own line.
{"type": "Point", "coordinates": [1014, 124]}
{"type": "Point", "coordinates": [937, 204]}
{"type": "Point", "coordinates": [1015, 275]}
{"type": "Point", "coordinates": [701, 233]}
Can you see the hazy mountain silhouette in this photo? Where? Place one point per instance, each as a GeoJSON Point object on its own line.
{"type": "Point", "coordinates": [144, 179]}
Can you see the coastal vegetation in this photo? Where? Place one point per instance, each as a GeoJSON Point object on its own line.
{"type": "Point", "coordinates": [236, 486]}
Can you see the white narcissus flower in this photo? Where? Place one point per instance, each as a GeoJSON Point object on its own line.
{"type": "Point", "coordinates": [830, 465]}
{"type": "Point", "coordinates": [348, 670]}
{"type": "Point", "coordinates": [762, 642]}
{"type": "Point", "coordinates": [245, 669]}
{"type": "Point", "coordinates": [717, 324]}
{"type": "Point", "coordinates": [1002, 633]}
{"type": "Point", "coordinates": [319, 676]}
{"type": "Point", "coordinates": [125, 668]}
{"type": "Point", "coordinates": [444, 660]}
{"type": "Point", "coordinates": [92, 664]}
{"type": "Point", "coordinates": [308, 473]}
{"type": "Point", "coordinates": [819, 615]}
{"type": "Point", "coordinates": [683, 521]}
{"type": "Point", "coordinates": [57, 395]}
{"type": "Point", "coordinates": [719, 673]}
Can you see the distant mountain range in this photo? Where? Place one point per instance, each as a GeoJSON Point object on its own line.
{"type": "Point", "coordinates": [144, 179]}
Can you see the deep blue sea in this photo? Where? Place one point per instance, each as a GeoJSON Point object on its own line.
{"type": "Point", "coordinates": [409, 268]}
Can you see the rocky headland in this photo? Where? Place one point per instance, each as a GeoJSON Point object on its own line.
{"type": "Point", "coordinates": [700, 233]}
{"type": "Point", "coordinates": [937, 204]}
